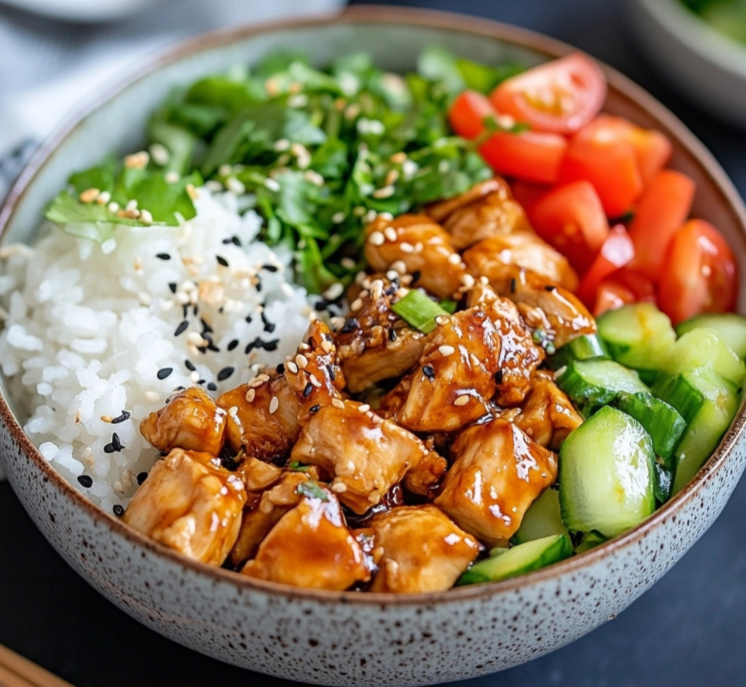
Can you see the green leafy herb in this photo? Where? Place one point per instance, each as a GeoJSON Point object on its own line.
{"type": "Point", "coordinates": [417, 310]}
{"type": "Point", "coordinates": [449, 306]}
{"type": "Point", "coordinates": [295, 466]}
{"type": "Point", "coordinates": [312, 490]}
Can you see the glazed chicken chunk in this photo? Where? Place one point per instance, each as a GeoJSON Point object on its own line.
{"type": "Point", "coordinates": [498, 257]}
{"type": "Point", "coordinates": [547, 415]}
{"type": "Point", "coordinates": [485, 210]}
{"type": "Point", "coordinates": [426, 475]}
{"type": "Point", "coordinates": [375, 343]}
{"type": "Point", "coordinates": [421, 246]}
{"type": "Point", "coordinates": [362, 454]}
{"type": "Point", "coordinates": [262, 416]}
{"type": "Point", "coordinates": [497, 474]}
{"type": "Point", "coordinates": [419, 549]}
{"type": "Point", "coordinates": [190, 420]}
{"type": "Point", "coordinates": [455, 380]}
{"type": "Point", "coordinates": [191, 504]}
{"type": "Point", "coordinates": [311, 547]}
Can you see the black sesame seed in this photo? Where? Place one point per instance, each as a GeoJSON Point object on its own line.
{"type": "Point", "coordinates": [211, 386]}
{"type": "Point", "coordinates": [227, 241]}
{"type": "Point", "coordinates": [392, 335]}
{"type": "Point", "coordinates": [164, 372]}
{"type": "Point", "coordinates": [221, 260]}
{"type": "Point", "coordinates": [269, 268]}
{"type": "Point", "coordinates": [213, 347]}
{"type": "Point", "coordinates": [312, 342]}
{"type": "Point", "coordinates": [225, 373]}
{"type": "Point", "coordinates": [271, 345]}
{"type": "Point", "coordinates": [201, 382]}
{"type": "Point", "coordinates": [236, 241]}
{"type": "Point", "coordinates": [350, 325]}
{"type": "Point", "coordinates": [321, 305]}
{"type": "Point", "coordinates": [280, 369]}
{"type": "Point", "coordinates": [429, 372]}
{"type": "Point", "coordinates": [499, 376]}
{"type": "Point", "coordinates": [258, 285]}
{"type": "Point", "coordinates": [202, 349]}
{"type": "Point", "coordinates": [549, 287]}
{"type": "Point", "coordinates": [205, 327]}
{"type": "Point", "coordinates": [269, 327]}
{"type": "Point", "coordinates": [122, 418]}
{"type": "Point", "coordinates": [195, 310]}
{"type": "Point", "coordinates": [307, 391]}
{"type": "Point", "coordinates": [142, 477]}
{"type": "Point", "coordinates": [314, 409]}
{"type": "Point", "coordinates": [512, 285]}
{"type": "Point", "coordinates": [109, 448]}
{"type": "Point", "coordinates": [249, 347]}
{"type": "Point", "coordinates": [332, 373]}
{"type": "Point", "coordinates": [85, 481]}
{"type": "Point", "coordinates": [181, 328]}
{"type": "Point", "coordinates": [184, 310]}
{"type": "Point", "coordinates": [115, 442]}
{"type": "Point", "coordinates": [118, 510]}
{"type": "Point", "coordinates": [415, 276]}
{"type": "Point", "coordinates": [172, 286]}
{"type": "Point", "coordinates": [189, 365]}
{"type": "Point", "coordinates": [163, 256]}
{"type": "Point", "coordinates": [248, 319]}
{"type": "Point", "coordinates": [232, 345]}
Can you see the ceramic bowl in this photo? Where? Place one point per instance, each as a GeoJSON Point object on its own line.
{"type": "Point", "coordinates": [706, 66]}
{"type": "Point", "coordinates": [346, 638]}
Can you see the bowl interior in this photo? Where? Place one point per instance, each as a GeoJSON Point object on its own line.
{"type": "Point", "coordinates": [116, 121]}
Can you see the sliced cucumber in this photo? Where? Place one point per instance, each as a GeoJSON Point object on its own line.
{"type": "Point", "coordinates": [708, 403]}
{"type": "Point", "coordinates": [731, 327]}
{"type": "Point", "coordinates": [594, 383]}
{"type": "Point", "coordinates": [542, 519]}
{"type": "Point", "coordinates": [590, 540]}
{"type": "Point", "coordinates": [586, 347]}
{"type": "Point", "coordinates": [705, 348]}
{"type": "Point", "coordinates": [606, 474]}
{"type": "Point", "coordinates": [663, 484]}
{"type": "Point", "coordinates": [660, 420]}
{"type": "Point", "coordinates": [522, 558]}
{"type": "Point", "coordinates": [638, 336]}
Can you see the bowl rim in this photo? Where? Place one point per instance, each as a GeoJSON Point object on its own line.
{"type": "Point", "coordinates": [366, 14]}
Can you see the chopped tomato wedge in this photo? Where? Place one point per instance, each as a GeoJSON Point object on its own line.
{"type": "Point", "coordinates": [559, 97]}
{"type": "Point", "coordinates": [641, 287]}
{"type": "Point", "coordinates": [611, 295]}
{"type": "Point", "coordinates": [571, 218]}
{"type": "Point", "coordinates": [662, 210]}
{"type": "Point", "coordinates": [529, 155]}
{"type": "Point", "coordinates": [468, 112]}
{"type": "Point", "coordinates": [700, 273]}
{"type": "Point", "coordinates": [616, 252]}
{"type": "Point", "coordinates": [528, 194]}
{"type": "Point", "coordinates": [600, 154]}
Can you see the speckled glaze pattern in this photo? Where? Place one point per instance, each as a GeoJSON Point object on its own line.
{"type": "Point", "coordinates": [340, 638]}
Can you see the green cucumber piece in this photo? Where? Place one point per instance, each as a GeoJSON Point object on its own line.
{"type": "Point", "coordinates": [521, 559]}
{"type": "Point", "coordinates": [586, 347]}
{"type": "Point", "coordinates": [590, 540]}
{"type": "Point", "coordinates": [638, 336]}
{"type": "Point", "coordinates": [542, 519]}
{"type": "Point", "coordinates": [660, 420]}
{"type": "Point", "coordinates": [708, 403]}
{"type": "Point", "coordinates": [731, 327]}
{"type": "Point", "coordinates": [663, 482]}
{"type": "Point", "coordinates": [593, 383]}
{"type": "Point", "coordinates": [705, 348]}
{"type": "Point", "coordinates": [606, 474]}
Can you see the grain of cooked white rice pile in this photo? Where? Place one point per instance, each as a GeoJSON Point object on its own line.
{"type": "Point", "coordinates": [97, 336]}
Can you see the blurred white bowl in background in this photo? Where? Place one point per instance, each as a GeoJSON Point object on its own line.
{"type": "Point", "coordinates": [81, 10]}
{"type": "Point", "coordinates": [706, 66]}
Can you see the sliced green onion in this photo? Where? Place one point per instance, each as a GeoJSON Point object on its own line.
{"type": "Point", "coordinates": [417, 310]}
{"type": "Point", "coordinates": [449, 306]}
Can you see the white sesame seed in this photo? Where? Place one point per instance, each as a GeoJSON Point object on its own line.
{"type": "Point", "coordinates": [160, 154]}
{"type": "Point", "coordinates": [89, 195]}
{"type": "Point", "coordinates": [347, 263]}
{"type": "Point", "coordinates": [356, 305]}
{"type": "Point", "coordinates": [172, 177]}
{"type": "Point", "coordinates": [194, 338]}
{"type": "Point", "coordinates": [461, 401]}
{"type": "Point", "coordinates": [406, 247]}
{"type": "Point", "coordinates": [233, 411]}
{"type": "Point", "coordinates": [454, 258]}
{"type": "Point", "coordinates": [103, 198]}
{"type": "Point", "coordinates": [113, 207]}
{"type": "Point", "coordinates": [443, 166]}
{"type": "Point", "coordinates": [376, 239]}
{"type": "Point", "coordinates": [370, 216]}
{"type": "Point", "coordinates": [235, 186]}
{"type": "Point", "coordinates": [384, 192]}
{"type": "Point", "coordinates": [313, 177]}
{"type": "Point", "coordinates": [131, 205]}
{"type": "Point", "coordinates": [400, 266]}
{"type": "Point", "coordinates": [281, 145]}
{"type": "Point", "coordinates": [152, 396]}
{"type": "Point", "coordinates": [292, 367]}
{"type": "Point", "coordinates": [334, 291]}
{"type": "Point", "coordinates": [409, 169]}
{"type": "Point", "coordinates": [339, 487]}
{"type": "Point", "coordinates": [467, 280]}
{"type": "Point", "coordinates": [301, 361]}
{"type": "Point", "coordinates": [224, 170]}
{"type": "Point", "coordinates": [441, 319]}
{"type": "Point", "coordinates": [108, 246]}
{"type": "Point", "coordinates": [560, 371]}
{"type": "Point", "coordinates": [337, 403]}
{"type": "Point", "coordinates": [250, 395]}
{"type": "Point", "coordinates": [137, 161]}
{"type": "Point", "coordinates": [364, 408]}
{"type": "Point", "coordinates": [272, 184]}
{"type": "Point", "coordinates": [214, 186]}
{"type": "Point", "coordinates": [146, 217]}
{"type": "Point", "coordinates": [194, 377]}
{"type": "Point", "coordinates": [339, 217]}
{"type": "Point", "coordinates": [446, 350]}
{"type": "Point", "coordinates": [274, 404]}
{"type": "Point", "coordinates": [390, 233]}
{"type": "Point", "coordinates": [419, 247]}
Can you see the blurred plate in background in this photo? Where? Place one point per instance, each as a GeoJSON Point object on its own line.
{"type": "Point", "coordinates": [81, 10]}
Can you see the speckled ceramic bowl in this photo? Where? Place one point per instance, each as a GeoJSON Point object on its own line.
{"type": "Point", "coordinates": [345, 638]}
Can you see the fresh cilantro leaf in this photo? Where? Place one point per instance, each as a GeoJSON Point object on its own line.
{"type": "Point", "coordinates": [311, 490]}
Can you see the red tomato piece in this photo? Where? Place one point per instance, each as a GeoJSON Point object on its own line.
{"type": "Point", "coordinates": [662, 210]}
{"type": "Point", "coordinates": [527, 194]}
{"type": "Point", "coordinates": [700, 273]}
{"type": "Point", "coordinates": [641, 287]}
{"type": "Point", "coordinates": [571, 218]}
{"type": "Point", "coordinates": [616, 252]}
{"type": "Point", "coordinates": [468, 112]}
{"type": "Point", "coordinates": [559, 97]}
{"type": "Point", "coordinates": [599, 154]}
{"type": "Point", "coordinates": [528, 155]}
{"type": "Point", "coordinates": [611, 295]}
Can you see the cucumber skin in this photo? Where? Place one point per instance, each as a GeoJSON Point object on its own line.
{"type": "Point", "coordinates": [642, 407]}
{"type": "Point", "coordinates": [573, 493]}
{"type": "Point", "coordinates": [663, 482]}
{"type": "Point", "coordinates": [494, 569]}
{"type": "Point", "coordinates": [731, 327]}
{"type": "Point", "coordinates": [590, 541]}
{"type": "Point", "coordinates": [576, 390]}
{"type": "Point", "coordinates": [586, 347]}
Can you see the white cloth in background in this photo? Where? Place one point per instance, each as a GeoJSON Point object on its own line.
{"type": "Point", "coordinates": [48, 68]}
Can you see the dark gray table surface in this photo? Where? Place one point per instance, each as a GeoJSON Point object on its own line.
{"type": "Point", "coordinates": [686, 631]}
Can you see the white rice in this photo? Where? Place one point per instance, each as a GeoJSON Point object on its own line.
{"type": "Point", "coordinates": [88, 328]}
